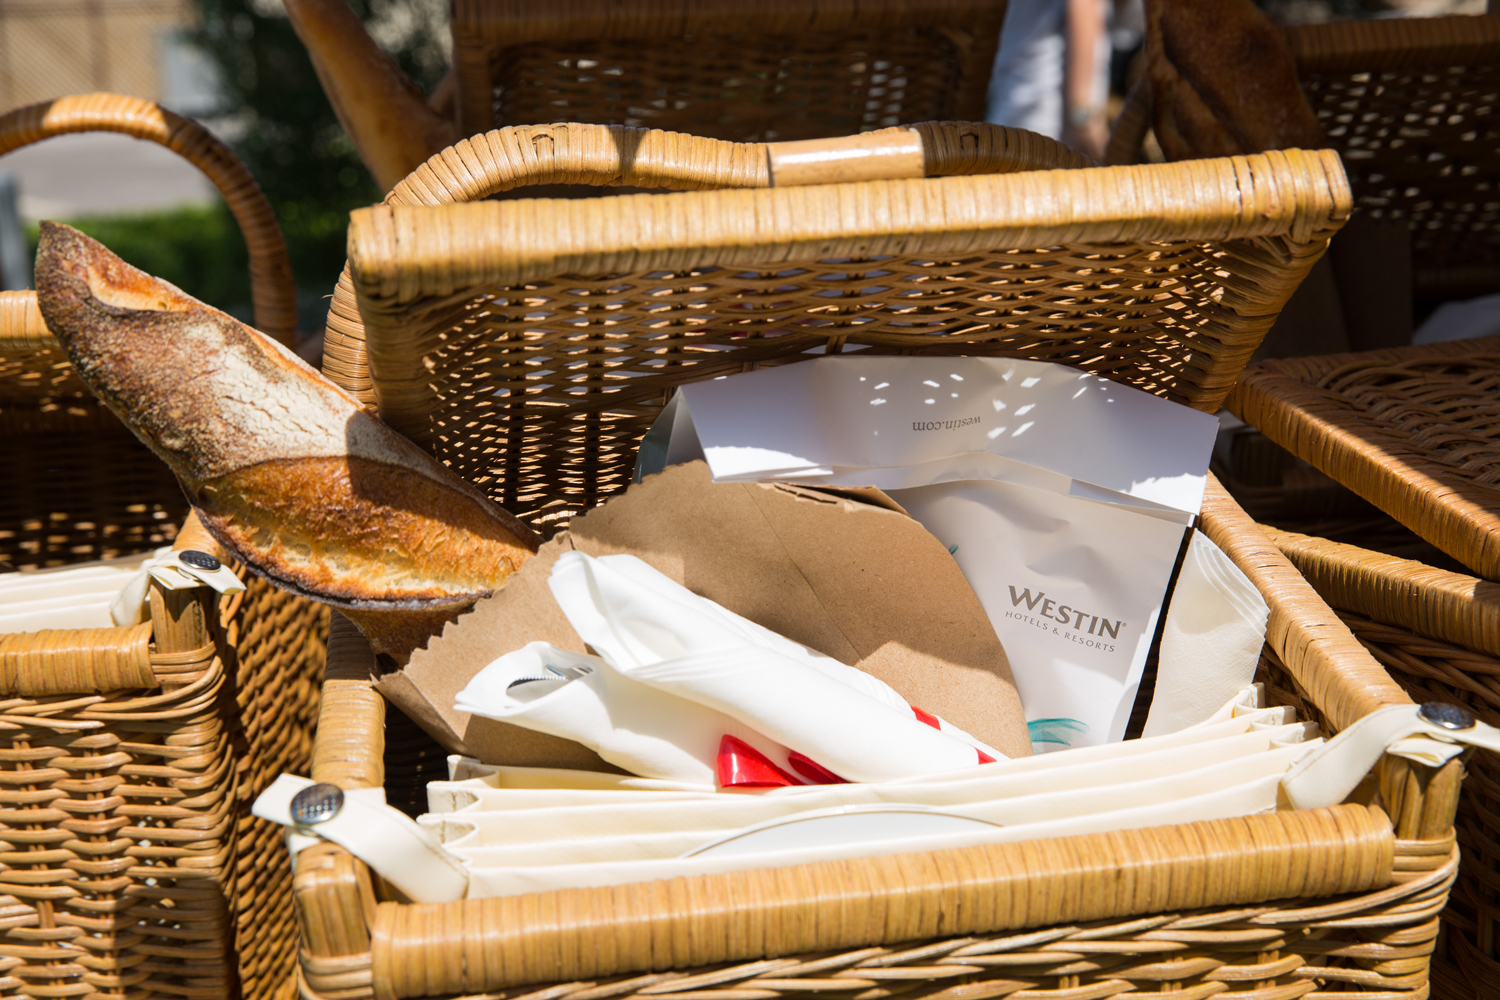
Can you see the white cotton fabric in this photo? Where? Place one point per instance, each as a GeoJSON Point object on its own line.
{"type": "Point", "coordinates": [507, 834]}
{"type": "Point", "coordinates": [677, 672]}
{"type": "Point", "coordinates": [79, 596]}
{"type": "Point", "coordinates": [1211, 640]}
{"type": "Point", "coordinates": [517, 839]}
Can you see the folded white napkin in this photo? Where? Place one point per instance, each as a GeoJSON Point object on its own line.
{"type": "Point", "coordinates": [645, 730]}
{"type": "Point", "coordinates": [653, 629]}
{"type": "Point", "coordinates": [1211, 641]}
{"type": "Point", "coordinates": [676, 673]}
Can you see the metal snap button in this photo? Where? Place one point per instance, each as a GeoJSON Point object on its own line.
{"type": "Point", "coordinates": [317, 803]}
{"type": "Point", "coordinates": [199, 560]}
{"type": "Point", "coordinates": [1447, 715]}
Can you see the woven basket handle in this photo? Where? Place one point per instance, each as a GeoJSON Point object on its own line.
{"type": "Point", "coordinates": [613, 155]}
{"type": "Point", "coordinates": [22, 330]}
{"type": "Point", "coordinates": [272, 288]}
{"type": "Point", "coordinates": [609, 155]}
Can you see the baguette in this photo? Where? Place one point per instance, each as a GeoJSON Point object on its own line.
{"type": "Point", "coordinates": [381, 110]}
{"type": "Point", "coordinates": [285, 469]}
{"type": "Point", "coordinates": [1223, 81]}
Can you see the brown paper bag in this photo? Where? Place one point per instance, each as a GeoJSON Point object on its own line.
{"type": "Point", "coordinates": [847, 574]}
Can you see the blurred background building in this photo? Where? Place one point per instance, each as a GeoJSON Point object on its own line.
{"type": "Point", "coordinates": [237, 66]}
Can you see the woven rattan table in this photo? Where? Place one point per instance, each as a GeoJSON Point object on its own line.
{"type": "Point", "coordinates": [1410, 104]}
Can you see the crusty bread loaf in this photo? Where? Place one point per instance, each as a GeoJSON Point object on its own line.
{"type": "Point", "coordinates": [1223, 81]}
{"type": "Point", "coordinates": [286, 470]}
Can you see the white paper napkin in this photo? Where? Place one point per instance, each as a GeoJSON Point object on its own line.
{"type": "Point", "coordinates": [1211, 641]}
{"type": "Point", "coordinates": [656, 631]}
{"type": "Point", "coordinates": [635, 726]}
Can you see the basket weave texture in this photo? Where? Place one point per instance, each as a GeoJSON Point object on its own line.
{"type": "Point", "coordinates": [1438, 634]}
{"type": "Point", "coordinates": [1333, 902]}
{"type": "Point", "coordinates": [767, 71]}
{"type": "Point", "coordinates": [530, 343]}
{"type": "Point", "coordinates": [129, 863]}
{"type": "Point", "coordinates": [1409, 103]}
{"type": "Point", "coordinates": [79, 485]}
{"type": "Point", "coordinates": [1412, 430]}
{"type": "Point", "coordinates": [130, 866]}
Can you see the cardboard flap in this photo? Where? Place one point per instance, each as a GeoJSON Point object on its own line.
{"type": "Point", "coordinates": [864, 584]}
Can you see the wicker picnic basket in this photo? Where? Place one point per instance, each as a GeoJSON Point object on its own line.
{"type": "Point", "coordinates": [530, 343]}
{"type": "Point", "coordinates": [773, 70]}
{"type": "Point", "coordinates": [129, 757]}
{"type": "Point", "coordinates": [1337, 902]}
{"type": "Point", "coordinates": [1409, 103]}
{"type": "Point", "coordinates": [1438, 634]}
{"type": "Point", "coordinates": [549, 333]}
{"type": "Point", "coordinates": [80, 485]}
{"type": "Point", "coordinates": [1412, 430]}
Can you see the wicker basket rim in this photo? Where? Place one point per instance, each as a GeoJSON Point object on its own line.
{"type": "Point", "coordinates": [400, 253]}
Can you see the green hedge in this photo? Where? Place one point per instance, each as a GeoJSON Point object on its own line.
{"type": "Point", "coordinates": [199, 249]}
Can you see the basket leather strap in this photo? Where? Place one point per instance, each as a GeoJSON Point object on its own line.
{"type": "Point", "coordinates": [386, 839]}
{"type": "Point", "coordinates": [1329, 773]}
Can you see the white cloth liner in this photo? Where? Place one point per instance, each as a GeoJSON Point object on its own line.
{"type": "Point", "coordinates": [484, 837]}
{"type": "Point", "coordinates": [1063, 496]}
{"type": "Point", "coordinates": [1180, 778]}
{"type": "Point", "coordinates": [1216, 617]}
{"type": "Point", "coordinates": [676, 672]}
{"type": "Point", "coordinates": [77, 596]}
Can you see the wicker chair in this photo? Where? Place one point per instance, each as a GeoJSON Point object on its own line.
{"type": "Point", "coordinates": [1409, 104]}
{"type": "Point", "coordinates": [129, 756]}
{"type": "Point", "coordinates": [745, 72]}
{"type": "Point", "coordinates": [756, 72]}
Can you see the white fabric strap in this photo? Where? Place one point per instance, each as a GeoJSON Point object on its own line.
{"type": "Point", "coordinates": [168, 569]}
{"type": "Point", "coordinates": [1328, 774]}
{"type": "Point", "coordinates": [384, 838]}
